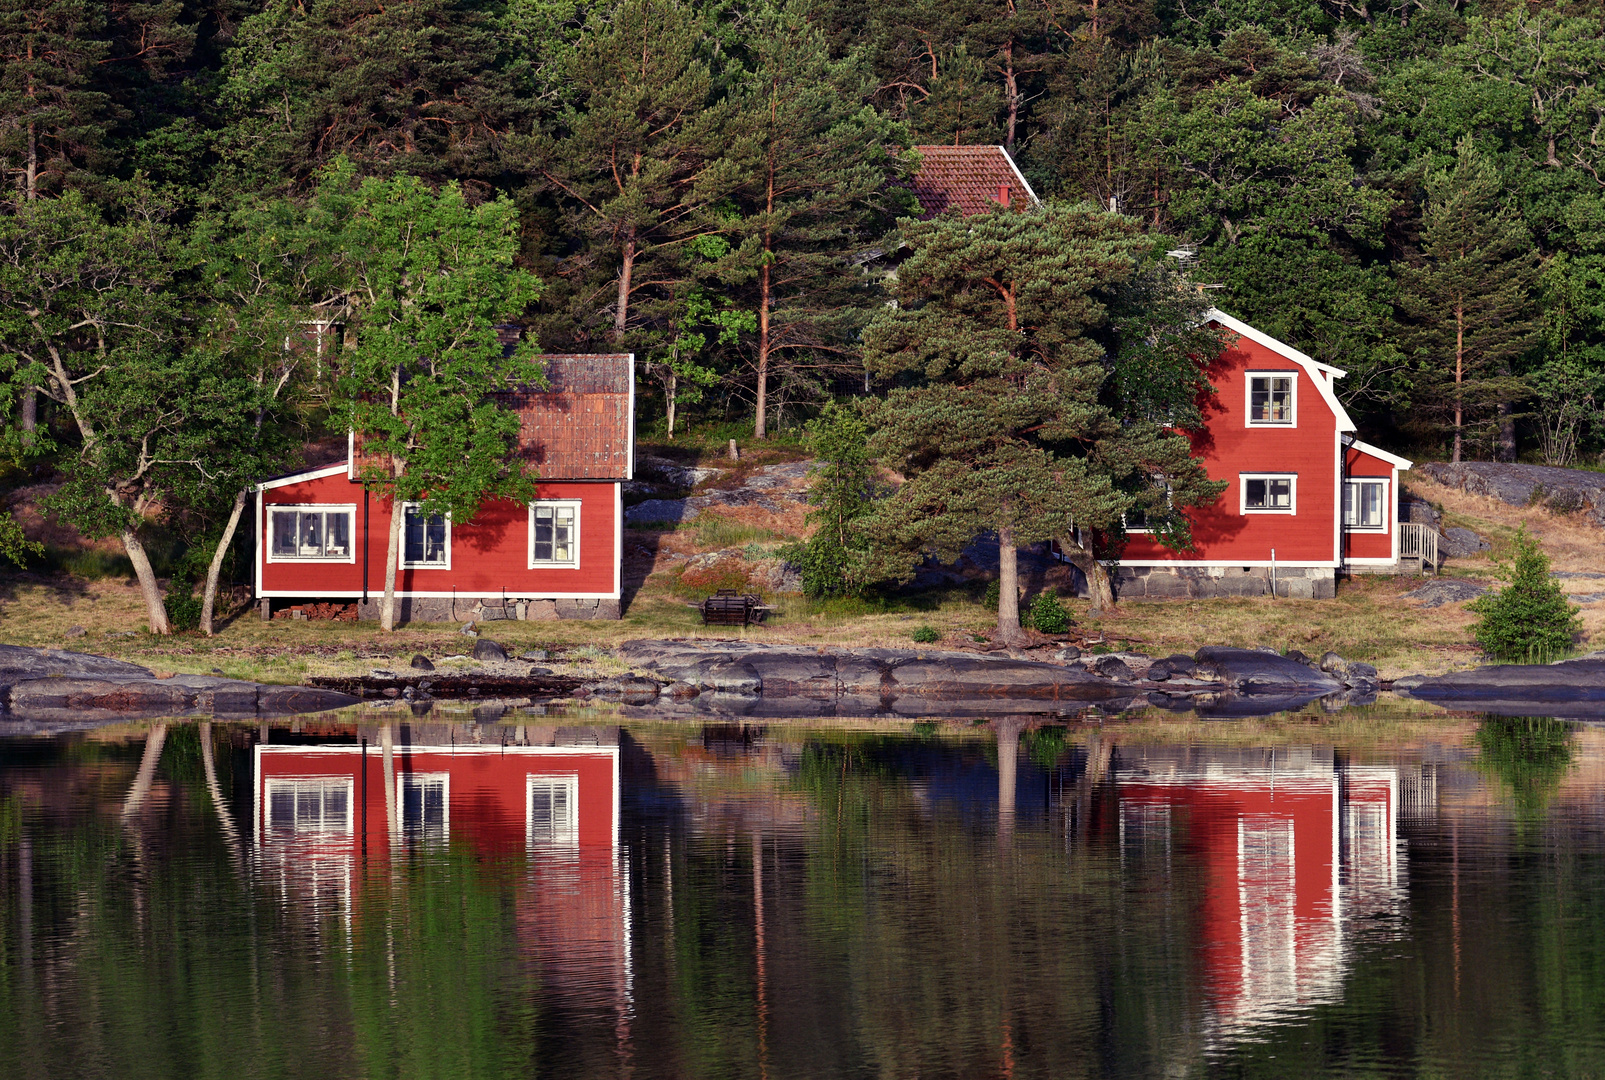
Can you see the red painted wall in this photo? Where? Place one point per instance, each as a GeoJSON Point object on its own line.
{"type": "Point", "coordinates": [489, 555]}
{"type": "Point", "coordinates": [1228, 446]}
{"type": "Point", "coordinates": [1371, 545]}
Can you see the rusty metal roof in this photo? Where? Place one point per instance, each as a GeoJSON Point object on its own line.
{"type": "Point", "coordinates": [972, 178]}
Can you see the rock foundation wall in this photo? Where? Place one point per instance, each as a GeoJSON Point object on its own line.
{"type": "Point", "coordinates": [483, 609]}
{"type": "Point", "coordinates": [1204, 582]}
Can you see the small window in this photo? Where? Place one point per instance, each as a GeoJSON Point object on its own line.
{"type": "Point", "coordinates": [1365, 505]}
{"type": "Point", "coordinates": [1268, 494]}
{"type": "Point", "coordinates": [553, 817]}
{"type": "Point", "coordinates": [1271, 399]}
{"type": "Point", "coordinates": [298, 807]}
{"type": "Point", "coordinates": [307, 533]}
{"type": "Point", "coordinates": [426, 540]}
{"type": "Point", "coordinates": [554, 534]}
{"type": "Point", "coordinates": [424, 801]}
{"type": "Point", "coordinates": [1138, 519]}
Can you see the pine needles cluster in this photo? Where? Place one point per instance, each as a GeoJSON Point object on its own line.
{"type": "Point", "coordinates": [1529, 619]}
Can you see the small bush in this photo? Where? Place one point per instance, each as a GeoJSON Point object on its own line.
{"type": "Point", "coordinates": [1530, 618]}
{"type": "Point", "coordinates": [1565, 502]}
{"type": "Point", "coordinates": [990, 598]}
{"type": "Point", "coordinates": [1047, 615]}
{"type": "Point", "coordinates": [183, 607]}
{"type": "Point", "coordinates": [926, 635]}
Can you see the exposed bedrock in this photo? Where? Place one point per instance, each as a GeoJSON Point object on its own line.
{"type": "Point", "coordinates": [1569, 688]}
{"type": "Point", "coordinates": [50, 685]}
{"type": "Point", "coordinates": [1562, 490]}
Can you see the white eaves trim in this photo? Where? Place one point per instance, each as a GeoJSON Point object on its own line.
{"type": "Point", "coordinates": [1321, 375]}
{"type": "Point", "coordinates": [301, 478]}
{"type": "Point", "coordinates": [1392, 459]}
{"type": "Point", "coordinates": [1018, 175]}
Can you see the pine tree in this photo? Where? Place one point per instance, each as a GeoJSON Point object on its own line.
{"type": "Point", "coordinates": [1470, 299]}
{"type": "Point", "coordinates": [1529, 619]}
{"type": "Point", "coordinates": [48, 110]}
{"type": "Point", "coordinates": [1021, 412]}
{"type": "Point", "coordinates": [634, 157]}
{"type": "Point", "coordinates": [813, 166]}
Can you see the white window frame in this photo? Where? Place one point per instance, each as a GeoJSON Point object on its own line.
{"type": "Point", "coordinates": [569, 781]}
{"type": "Point", "coordinates": [1248, 398]}
{"type": "Point", "coordinates": [1356, 481]}
{"type": "Point", "coordinates": [408, 565]}
{"type": "Point", "coordinates": [1145, 530]}
{"type": "Point", "coordinates": [349, 509]}
{"type": "Point", "coordinates": [554, 564]}
{"type": "Point", "coordinates": [1292, 494]}
{"type": "Point", "coordinates": [416, 832]}
{"type": "Point", "coordinates": [297, 784]}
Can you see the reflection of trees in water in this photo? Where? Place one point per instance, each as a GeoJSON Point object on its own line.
{"type": "Point", "coordinates": [1529, 755]}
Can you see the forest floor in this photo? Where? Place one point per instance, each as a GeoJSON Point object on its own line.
{"type": "Point", "coordinates": [1369, 620]}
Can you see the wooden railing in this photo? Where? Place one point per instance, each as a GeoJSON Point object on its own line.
{"type": "Point", "coordinates": [1419, 542]}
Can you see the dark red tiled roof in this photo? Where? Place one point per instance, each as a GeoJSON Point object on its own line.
{"type": "Point", "coordinates": [969, 177]}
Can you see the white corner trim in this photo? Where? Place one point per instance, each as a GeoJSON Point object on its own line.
{"type": "Point", "coordinates": [1018, 175]}
{"type": "Point", "coordinates": [618, 540]}
{"type": "Point", "coordinates": [1381, 455]}
{"type": "Point", "coordinates": [351, 454]}
{"type": "Point", "coordinates": [1309, 363]}
{"type": "Point", "coordinates": [301, 478]}
{"type": "Point", "coordinates": [629, 468]}
{"type": "Point", "coordinates": [261, 541]}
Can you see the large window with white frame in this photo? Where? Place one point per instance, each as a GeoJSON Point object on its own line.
{"type": "Point", "coordinates": [314, 805]}
{"type": "Point", "coordinates": [1365, 505]}
{"type": "Point", "coordinates": [425, 539]}
{"type": "Point", "coordinates": [551, 810]}
{"type": "Point", "coordinates": [554, 534]}
{"type": "Point", "coordinates": [310, 533]}
{"type": "Point", "coordinates": [1272, 398]}
{"type": "Point", "coordinates": [425, 802]}
{"type": "Point", "coordinates": [1269, 493]}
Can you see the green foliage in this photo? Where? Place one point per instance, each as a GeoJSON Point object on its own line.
{"type": "Point", "coordinates": [14, 546]}
{"type": "Point", "coordinates": [926, 635]}
{"type": "Point", "coordinates": [1047, 614]}
{"type": "Point", "coordinates": [1529, 755]}
{"type": "Point", "coordinates": [836, 560]}
{"type": "Point", "coordinates": [1529, 620]}
{"type": "Point", "coordinates": [990, 595]}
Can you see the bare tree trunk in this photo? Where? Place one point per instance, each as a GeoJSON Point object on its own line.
{"type": "Point", "coordinates": [1009, 631]}
{"type": "Point", "coordinates": [671, 385]}
{"type": "Point", "coordinates": [387, 744]}
{"type": "Point", "coordinates": [1011, 90]}
{"type": "Point", "coordinates": [1460, 359]}
{"type": "Point", "coordinates": [30, 410]}
{"type": "Point", "coordinates": [147, 582]}
{"type": "Point", "coordinates": [147, 770]}
{"type": "Point", "coordinates": [760, 428]}
{"type": "Point", "coordinates": [1507, 432]}
{"type": "Point", "coordinates": [621, 311]}
{"type": "Point", "coordinates": [1099, 590]}
{"type": "Point", "coordinates": [209, 595]}
{"type": "Point", "coordinates": [1008, 733]}
{"type": "Point", "coordinates": [387, 609]}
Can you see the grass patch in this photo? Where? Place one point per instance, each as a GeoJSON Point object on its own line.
{"type": "Point", "coordinates": [717, 532]}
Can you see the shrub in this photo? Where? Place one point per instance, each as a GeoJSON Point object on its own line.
{"type": "Point", "coordinates": [1047, 615]}
{"type": "Point", "coordinates": [183, 606]}
{"type": "Point", "coordinates": [994, 591]}
{"type": "Point", "coordinates": [1529, 619]}
{"type": "Point", "coordinates": [926, 635]}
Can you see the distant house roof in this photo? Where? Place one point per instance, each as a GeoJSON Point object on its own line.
{"type": "Point", "coordinates": [969, 177]}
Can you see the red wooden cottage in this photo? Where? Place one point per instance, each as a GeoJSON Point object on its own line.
{"type": "Point", "coordinates": [1304, 498]}
{"type": "Point", "coordinates": [321, 535]}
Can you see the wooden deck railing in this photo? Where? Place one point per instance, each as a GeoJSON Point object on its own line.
{"type": "Point", "coordinates": [1419, 542]}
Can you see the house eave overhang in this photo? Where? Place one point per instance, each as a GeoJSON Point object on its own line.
{"type": "Point", "coordinates": [1321, 375]}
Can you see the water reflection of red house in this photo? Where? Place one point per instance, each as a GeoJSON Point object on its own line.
{"type": "Point", "coordinates": [1293, 856]}
{"type": "Point", "coordinates": [327, 816]}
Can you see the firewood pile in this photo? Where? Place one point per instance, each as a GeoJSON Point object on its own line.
{"type": "Point", "coordinates": [307, 612]}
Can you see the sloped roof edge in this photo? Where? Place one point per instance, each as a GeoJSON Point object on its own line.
{"type": "Point", "coordinates": [1312, 366]}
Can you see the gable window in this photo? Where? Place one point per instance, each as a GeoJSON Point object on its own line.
{"type": "Point", "coordinates": [554, 534]}
{"type": "Point", "coordinates": [1365, 505]}
{"type": "Point", "coordinates": [310, 533]}
{"type": "Point", "coordinates": [551, 814]}
{"type": "Point", "coordinates": [1269, 493]}
{"type": "Point", "coordinates": [426, 540]}
{"type": "Point", "coordinates": [1272, 398]}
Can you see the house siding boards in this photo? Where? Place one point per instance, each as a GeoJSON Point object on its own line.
{"type": "Point", "coordinates": [1373, 548]}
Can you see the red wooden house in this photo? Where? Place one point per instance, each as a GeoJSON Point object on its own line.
{"type": "Point", "coordinates": [321, 535]}
{"type": "Point", "coordinates": [1304, 498]}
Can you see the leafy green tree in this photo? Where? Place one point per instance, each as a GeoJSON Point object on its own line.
{"type": "Point", "coordinates": [428, 278]}
{"type": "Point", "coordinates": [814, 167]}
{"type": "Point", "coordinates": [1470, 298]}
{"type": "Point", "coordinates": [91, 311]}
{"type": "Point", "coordinates": [677, 366]}
{"type": "Point", "coordinates": [1002, 340]}
{"type": "Point", "coordinates": [1529, 619]}
{"type": "Point", "coordinates": [1530, 755]}
{"type": "Point", "coordinates": [836, 560]}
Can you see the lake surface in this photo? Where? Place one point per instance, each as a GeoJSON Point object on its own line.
{"type": "Point", "coordinates": [573, 896]}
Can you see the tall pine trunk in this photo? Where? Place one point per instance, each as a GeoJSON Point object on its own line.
{"type": "Point", "coordinates": [760, 427]}
{"type": "Point", "coordinates": [30, 395]}
{"type": "Point", "coordinates": [1099, 590]}
{"type": "Point", "coordinates": [1460, 367]}
{"type": "Point", "coordinates": [672, 386]}
{"type": "Point", "coordinates": [1011, 89]}
{"type": "Point", "coordinates": [213, 571]}
{"type": "Point", "coordinates": [621, 312]}
{"type": "Point", "coordinates": [1009, 631]}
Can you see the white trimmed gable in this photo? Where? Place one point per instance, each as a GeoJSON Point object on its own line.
{"type": "Point", "coordinates": [1321, 375]}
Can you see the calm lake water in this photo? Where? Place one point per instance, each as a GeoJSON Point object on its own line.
{"type": "Point", "coordinates": [574, 897]}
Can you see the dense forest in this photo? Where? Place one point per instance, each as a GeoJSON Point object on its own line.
{"type": "Point", "coordinates": [1410, 190]}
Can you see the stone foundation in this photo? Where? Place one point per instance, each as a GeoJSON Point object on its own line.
{"type": "Point", "coordinates": [1202, 582]}
{"type": "Point", "coordinates": [476, 609]}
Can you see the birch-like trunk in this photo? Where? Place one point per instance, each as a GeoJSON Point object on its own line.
{"type": "Point", "coordinates": [209, 595]}
{"type": "Point", "coordinates": [621, 312]}
{"type": "Point", "coordinates": [1009, 631]}
{"type": "Point", "coordinates": [1460, 367]}
{"type": "Point", "coordinates": [671, 386]}
{"type": "Point", "coordinates": [147, 582]}
{"type": "Point", "coordinates": [387, 609]}
{"type": "Point", "coordinates": [760, 427]}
